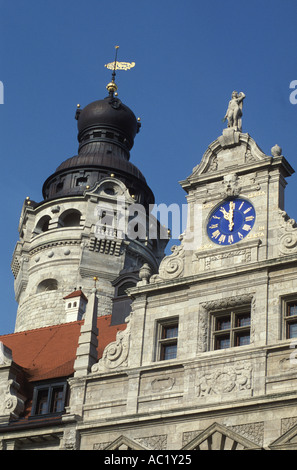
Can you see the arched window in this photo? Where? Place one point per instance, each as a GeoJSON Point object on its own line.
{"type": "Point", "coordinates": [121, 290]}
{"type": "Point", "coordinates": [47, 285]}
{"type": "Point", "coordinates": [121, 307]}
{"type": "Point", "coordinates": [70, 218]}
{"type": "Point", "coordinates": [42, 225]}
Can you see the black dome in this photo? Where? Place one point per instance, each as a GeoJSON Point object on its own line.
{"type": "Point", "coordinates": [109, 114]}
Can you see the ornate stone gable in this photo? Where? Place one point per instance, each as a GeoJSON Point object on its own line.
{"type": "Point", "coordinates": [231, 149]}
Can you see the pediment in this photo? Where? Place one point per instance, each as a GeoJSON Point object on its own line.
{"type": "Point", "coordinates": [124, 443]}
{"type": "Point", "coordinates": [231, 149]}
{"type": "Point", "coordinates": [287, 441]}
{"type": "Point", "coordinates": [109, 188]}
{"type": "Point", "coordinates": [219, 437]}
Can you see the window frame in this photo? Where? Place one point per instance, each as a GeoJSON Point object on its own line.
{"type": "Point", "coordinates": [50, 388]}
{"type": "Point", "coordinates": [234, 332]}
{"type": "Point", "coordinates": [164, 341]}
{"type": "Point", "coordinates": [288, 320]}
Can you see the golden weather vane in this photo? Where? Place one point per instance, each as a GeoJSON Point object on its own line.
{"type": "Point", "coordinates": [116, 65]}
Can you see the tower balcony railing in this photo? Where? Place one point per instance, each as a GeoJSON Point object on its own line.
{"type": "Point", "coordinates": [103, 231]}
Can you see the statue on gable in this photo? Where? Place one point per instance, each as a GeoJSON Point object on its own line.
{"type": "Point", "coordinates": [234, 111]}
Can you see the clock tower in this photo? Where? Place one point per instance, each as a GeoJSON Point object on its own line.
{"type": "Point", "coordinates": [205, 358]}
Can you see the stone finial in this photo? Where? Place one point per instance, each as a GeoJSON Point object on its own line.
{"type": "Point", "coordinates": [145, 273]}
{"type": "Point", "coordinates": [234, 111]}
{"type": "Point", "coordinates": [276, 151]}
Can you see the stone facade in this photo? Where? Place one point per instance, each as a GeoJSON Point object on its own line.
{"type": "Point", "coordinates": [206, 397]}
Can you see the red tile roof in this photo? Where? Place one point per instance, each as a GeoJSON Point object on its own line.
{"type": "Point", "coordinates": [76, 293]}
{"type": "Point", "coordinates": [50, 352]}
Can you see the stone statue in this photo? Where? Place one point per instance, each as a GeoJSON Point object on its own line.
{"type": "Point", "coordinates": [234, 111]}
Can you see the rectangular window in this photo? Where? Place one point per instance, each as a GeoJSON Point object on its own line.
{"type": "Point", "coordinates": [167, 340]}
{"type": "Point", "coordinates": [291, 319]}
{"type": "Point", "coordinates": [49, 399]}
{"type": "Point", "coordinates": [231, 329]}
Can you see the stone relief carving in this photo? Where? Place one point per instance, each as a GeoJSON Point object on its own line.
{"type": "Point", "coordinates": [158, 442]}
{"type": "Point", "coordinates": [162, 384]}
{"type": "Point", "coordinates": [189, 436]}
{"type": "Point", "coordinates": [101, 445]}
{"type": "Point", "coordinates": [244, 253]}
{"type": "Point", "coordinates": [213, 164]}
{"type": "Point", "coordinates": [249, 157]}
{"type": "Point", "coordinates": [11, 403]}
{"type": "Point", "coordinates": [287, 234]}
{"type": "Point", "coordinates": [252, 431]}
{"type": "Point", "coordinates": [224, 380]}
{"type": "Point", "coordinates": [203, 331]}
{"type": "Point", "coordinates": [115, 354]}
{"type": "Point", "coordinates": [71, 439]}
{"type": "Point", "coordinates": [232, 187]}
{"type": "Point", "coordinates": [288, 423]}
{"type": "Point", "coordinates": [228, 302]}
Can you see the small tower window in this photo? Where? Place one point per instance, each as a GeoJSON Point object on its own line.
{"type": "Point", "coordinates": [42, 225]}
{"type": "Point", "coordinates": [82, 181]}
{"type": "Point", "coordinates": [70, 218]}
{"type": "Point", "coordinates": [47, 285]}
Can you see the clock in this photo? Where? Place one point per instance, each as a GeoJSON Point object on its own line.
{"type": "Point", "coordinates": [231, 221]}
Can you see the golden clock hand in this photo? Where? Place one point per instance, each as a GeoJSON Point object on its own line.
{"type": "Point", "coordinates": [231, 214]}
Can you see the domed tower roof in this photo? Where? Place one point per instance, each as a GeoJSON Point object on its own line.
{"type": "Point", "coordinates": [109, 115]}
{"type": "Point", "coordinates": [106, 133]}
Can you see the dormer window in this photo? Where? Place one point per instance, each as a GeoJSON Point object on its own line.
{"type": "Point", "coordinates": [49, 399]}
{"type": "Point", "coordinates": [75, 306]}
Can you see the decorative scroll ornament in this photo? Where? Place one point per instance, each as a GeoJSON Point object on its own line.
{"type": "Point", "coordinates": [171, 266]}
{"type": "Point", "coordinates": [287, 235]}
{"type": "Point", "coordinates": [116, 353]}
{"type": "Point", "coordinates": [11, 403]}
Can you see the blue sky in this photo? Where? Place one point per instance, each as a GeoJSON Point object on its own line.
{"type": "Point", "coordinates": [189, 57]}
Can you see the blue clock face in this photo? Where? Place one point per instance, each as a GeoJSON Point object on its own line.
{"type": "Point", "coordinates": [231, 221]}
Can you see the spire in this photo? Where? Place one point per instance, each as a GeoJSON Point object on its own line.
{"type": "Point", "coordinates": [111, 86]}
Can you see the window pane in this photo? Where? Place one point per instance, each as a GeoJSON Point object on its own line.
{"type": "Point", "coordinates": [223, 323]}
{"type": "Point", "coordinates": [243, 319]}
{"type": "Point", "coordinates": [223, 342]}
{"type": "Point", "coordinates": [292, 327]}
{"type": "Point", "coordinates": [242, 339]}
{"type": "Point", "coordinates": [170, 331]}
{"type": "Point", "coordinates": [42, 404]}
{"type": "Point", "coordinates": [57, 400]}
{"type": "Point", "coordinates": [169, 351]}
{"type": "Point", "coordinates": [292, 309]}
